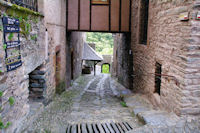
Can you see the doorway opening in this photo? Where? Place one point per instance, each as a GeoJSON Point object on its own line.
{"type": "Point", "coordinates": [105, 68]}
{"type": "Point", "coordinates": [58, 68]}
{"type": "Point", "coordinates": [103, 46]}
{"type": "Point", "coordinates": [37, 84]}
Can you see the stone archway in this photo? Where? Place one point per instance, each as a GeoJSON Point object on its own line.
{"type": "Point", "coordinates": [105, 64]}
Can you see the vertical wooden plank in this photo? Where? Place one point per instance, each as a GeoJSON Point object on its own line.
{"type": "Point", "coordinates": [115, 15]}
{"type": "Point", "coordinates": [120, 14]}
{"type": "Point", "coordinates": [100, 21]}
{"type": "Point", "coordinates": [73, 14]}
{"type": "Point", "coordinates": [125, 9]}
{"type": "Point", "coordinates": [79, 14]}
{"type": "Point", "coordinates": [85, 15]}
{"type": "Point", "coordinates": [130, 18]}
{"type": "Point", "coordinates": [90, 15]}
{"type": "Point", "coordinates": [109, 15]}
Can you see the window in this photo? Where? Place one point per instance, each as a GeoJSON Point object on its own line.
{"type": "Point", "coordinates": [100, 1]}
{"type": "Point", "coordinates": [144, 15]}
{"type": "Point", "coordinates": [158, 76]}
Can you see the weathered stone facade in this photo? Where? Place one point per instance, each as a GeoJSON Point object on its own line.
{"type": "Point", "coordinates": [76, 42]}
{"type": "Point", "coordinates": [122, 59]}
{"type": "Point", "coordinates": [15, 83]}
{"type": "Point", "coordinates": [175, 45]}
{"type": "Point", "coordinates": [48, 52]}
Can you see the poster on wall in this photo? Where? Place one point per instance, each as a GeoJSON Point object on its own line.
{"type": "Point", "coordinates": [11, 28]}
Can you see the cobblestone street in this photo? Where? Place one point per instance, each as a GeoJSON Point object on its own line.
{"type": "Point", "coordinates": [90, 100]}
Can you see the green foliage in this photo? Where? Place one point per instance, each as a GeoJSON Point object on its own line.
{"type": "Point", "coordinates": [4, 46]}
{"type": "Point", "coordinates": [1, 28]}
{"type": "Point", "coordinates": [104, 42]}
{"type": "Point", "coordinates": [7, 125]}
{"type": "Point", "coordinates": [123, 104]}
{"type": "Point", "coordinates": [3, 126]}
{"type": "Point", "coordinates": [34, 37]}
{"type": "Point", "coordinates": [10, 37]}
{"type": "Point", "coordinates": [11, 101]}
{"type": "Point", "coordinates": [4, 14]}
{"type": "Point", "coordinates": [60, 87]}
{"type": "Point", "coordinates": [105, 68]}
{"type": "Point", "coordinates": [1, 93]}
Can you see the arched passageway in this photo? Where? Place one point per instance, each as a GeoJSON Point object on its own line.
{"type": "Point", "coordinates": [105, 68]}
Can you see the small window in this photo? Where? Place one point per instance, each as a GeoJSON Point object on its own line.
{"type": "Point", "coordinates": [158, 76]}
{"type": "Point", "coordinates": [100, 1]}
{"type": "Point", "coordinates": [144, 15]}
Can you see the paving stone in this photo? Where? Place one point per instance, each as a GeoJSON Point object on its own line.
{"type": "Point", "coordinates": [158, 118]}
{"type": "Point", "coordinates": [140, 109]}
{"type": "Point", "coordinates": [100, 105]}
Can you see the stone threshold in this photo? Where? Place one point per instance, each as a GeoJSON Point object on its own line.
{"type": "Point", "coordinates": [157, 120]}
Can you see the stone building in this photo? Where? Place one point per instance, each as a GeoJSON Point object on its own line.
{"type": "Point", "coordinates": [158, 58]}
{"type": "Point", "coordinates": [165, 47]}
{"type": "Point", "coordinates": [46, 53]}
{"type": "Point", "coordinates": [15, 84]}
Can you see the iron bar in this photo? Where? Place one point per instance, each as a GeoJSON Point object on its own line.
{"type": "Point", "coordinates": [30, 4]}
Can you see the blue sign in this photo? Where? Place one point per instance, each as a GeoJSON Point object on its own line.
{"type": "Point", "coordinates": [14, 66]}
{"type": "Point", "coordinates": [10, 21]}
{"type": "Point", "coordinates": [12, 44]}
{"type": "Point", "coordinates": [11, 25]}
{"type": "Point", "coordinates": [11, 29]}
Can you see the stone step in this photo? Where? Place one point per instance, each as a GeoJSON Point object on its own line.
{"type": "Point", "coordinates": [37, 90]}
{"type": "Point", "coordinates": [158, 118]}
{"type": "Point", "coordinates": [38, 72]}
{"type": "Point", "coordinates": [36, 85]}
{"type": "Point", "coordinates": [37, 77]}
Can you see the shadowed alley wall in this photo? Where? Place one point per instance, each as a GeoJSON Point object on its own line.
{"type": "Point", "coordinates": [174, 44]}
{"type": "Point", "coordinates": [122, 59]}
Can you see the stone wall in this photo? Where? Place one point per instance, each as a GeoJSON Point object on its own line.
{"type": "Point", "coordinates": [77, 40]}
{"type": "Point", "coordinates": [55, 23]}
{"type": "Point", "coordinates": [173, 44]}
{"type": "Point", "coordinates": [15, 83]}
{"type": "Point", "coordinates": [122, 59]}
{"type": "Point", "coordinates": [61, 44]}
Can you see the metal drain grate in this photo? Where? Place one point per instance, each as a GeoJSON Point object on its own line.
{"type": "Point", "coordinates": [99, 128]}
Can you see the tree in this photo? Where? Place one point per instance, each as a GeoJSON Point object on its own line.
{"type": "Point", "coordinates": [104, 42]}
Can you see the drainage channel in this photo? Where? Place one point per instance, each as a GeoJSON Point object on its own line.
{"type": "Point", "coordinates": [99, 128]}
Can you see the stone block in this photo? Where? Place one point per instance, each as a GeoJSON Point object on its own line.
{"type": "Point", "coordinates": [158, 118]}
{"type": "Point", "coordinates": [140, 109]}
{"type": "Point", "coordinates": [35, 85]}
{"type": "Point", "coordinates": [38, 72]}
{"type": "Point", "coordinates": [37, 77]}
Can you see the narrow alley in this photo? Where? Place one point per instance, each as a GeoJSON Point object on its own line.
{"type": "Point", "coordinates": [99, 66]}
{"type": "Point", "coordinates": [91, 100]}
